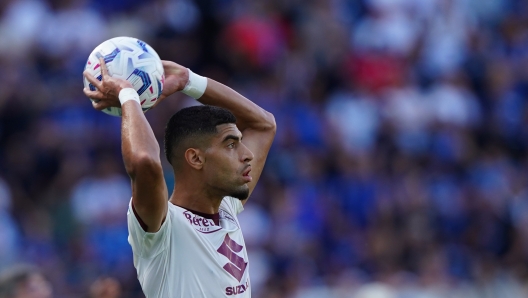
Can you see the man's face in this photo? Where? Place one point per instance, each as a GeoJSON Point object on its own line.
{"type": "Point", "coordinates": [227, 163]}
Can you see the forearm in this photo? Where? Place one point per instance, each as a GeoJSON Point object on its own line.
{"type": "Point", "coordinates": [139, 145]}
{"type": "Point", "coordinates": [248, 114]}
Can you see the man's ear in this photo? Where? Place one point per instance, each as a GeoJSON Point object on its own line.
{"type": "Point", "coordinates": [195, 158]}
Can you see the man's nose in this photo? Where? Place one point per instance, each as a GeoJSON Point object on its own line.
{"type": "Point", "coordinates": [248, 155]}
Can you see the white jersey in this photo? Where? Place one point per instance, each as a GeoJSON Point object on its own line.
{"type": "Point", "coordinates": [192, 256]}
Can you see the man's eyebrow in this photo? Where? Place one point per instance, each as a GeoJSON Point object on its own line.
{"type": "Point", "coordinates": [232, 137]}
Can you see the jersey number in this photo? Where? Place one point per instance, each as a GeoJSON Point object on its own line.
{"type": "Point", "coordinates": [229, 248]}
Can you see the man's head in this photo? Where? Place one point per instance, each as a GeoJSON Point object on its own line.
{"type": "Point", "coordinates": [205, 139]}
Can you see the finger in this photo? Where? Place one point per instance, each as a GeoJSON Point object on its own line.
{"type": "Point", "coordinates": [98, 95]}
{"type": "Point", "coordinates": [167, 63]}
{"type": "Point", "coordinates": [92, 79]}
{"type": "Point", "coordinates": [100, 105]}
{"type": "Point", "coordinates": [104, 69]}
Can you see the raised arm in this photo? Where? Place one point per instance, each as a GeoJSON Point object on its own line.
{"type": "Point", "coordinates": [139, 147]}
{"type": "Point", "coordinates": [257, 125]}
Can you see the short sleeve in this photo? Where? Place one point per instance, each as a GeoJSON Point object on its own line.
{"type": "Point", "coordinates": [146, 244]}
{"type": "Point", "coordinates": [234, 204]}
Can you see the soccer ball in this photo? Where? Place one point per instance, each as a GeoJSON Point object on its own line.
{"type": "Point", "coordinates": [133, 60]}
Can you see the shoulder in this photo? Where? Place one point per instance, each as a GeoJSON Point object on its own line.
{"type": "Point", "coordinates": [178, 213]}
{"type": "Point", "coordinates": [228, 211]}
{"type": "Point", "coordinates": [232, 205]}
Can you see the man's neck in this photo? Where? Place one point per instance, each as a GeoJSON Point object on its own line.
{"type": "Point", "coordinates": [195, 198]}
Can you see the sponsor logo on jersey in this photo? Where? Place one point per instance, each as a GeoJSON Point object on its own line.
{"type": "Point", "coordinates": [237, 266]}
{"type": "Point", "coordinates": [235, 290]}
{"type": "Point", "coordinates": [201, 224]}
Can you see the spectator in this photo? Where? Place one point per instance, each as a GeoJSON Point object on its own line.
{"type": "Point", "coordinates": [24, 281]}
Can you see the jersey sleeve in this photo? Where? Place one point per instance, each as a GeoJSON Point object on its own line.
{"type": "Point", "coordinates": [234, 204]}
{"type": "Point", "coordinates": [146, 244]}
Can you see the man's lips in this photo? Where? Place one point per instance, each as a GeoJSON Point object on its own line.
{"type": "Point", "coordinates": [246, 174]}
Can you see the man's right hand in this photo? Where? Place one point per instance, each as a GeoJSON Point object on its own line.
{"type": "Point", "coordinates": [107, 93]}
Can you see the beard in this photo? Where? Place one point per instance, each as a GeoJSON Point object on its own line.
{"type": "Point", "coordinates": [240, 193]}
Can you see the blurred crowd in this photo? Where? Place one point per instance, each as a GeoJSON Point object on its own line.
{"type": "Point", "coordinates": [399, 167]}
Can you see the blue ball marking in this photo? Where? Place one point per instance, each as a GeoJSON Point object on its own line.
{"type": "Point", "coordinates": [143, 45]}
{"type": "Point", "coordinates": [144, 78]}
{"type": "Point", "coordinates": [159, 88]}
{"type": "Point", "coordinates": [110, 57]}
{"type": "Point", "coordinates": [92, 87]}
{"type": "Point", "coordinates": [145, 56]}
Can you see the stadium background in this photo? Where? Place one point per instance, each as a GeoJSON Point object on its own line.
{"type": "Point", "coordinates": [399, 166]}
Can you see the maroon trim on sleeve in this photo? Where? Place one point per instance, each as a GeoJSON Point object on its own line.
{"type": "Point", "coordinates": [141, 222]}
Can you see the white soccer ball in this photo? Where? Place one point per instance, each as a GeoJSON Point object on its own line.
{"type": "Point", "coordinates": [133, 60]}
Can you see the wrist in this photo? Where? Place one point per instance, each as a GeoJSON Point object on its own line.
{"type": "Point", "coordinates": [195, 86]}
{"type": "Point", "coordinates": [127, 94]}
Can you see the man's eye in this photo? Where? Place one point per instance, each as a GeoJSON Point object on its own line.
{"type": "Point", "coordinates": [232, 145]}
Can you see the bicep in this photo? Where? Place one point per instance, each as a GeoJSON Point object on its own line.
{"type": "Point", "coordinates": [259, 142]}
{"type": "Point", "coordinates": [150, 196]}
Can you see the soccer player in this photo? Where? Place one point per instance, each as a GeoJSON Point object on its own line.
{"type": "Point", "coordinates": [191, 244]}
